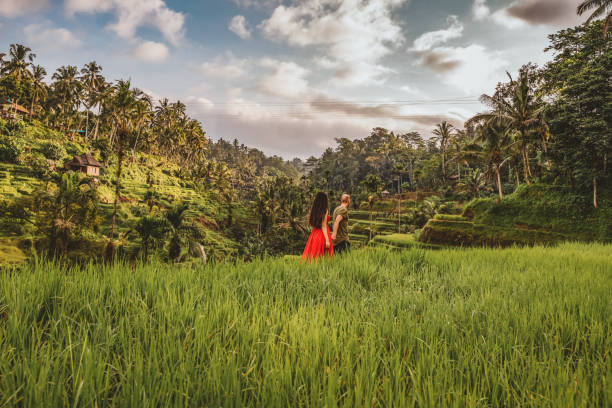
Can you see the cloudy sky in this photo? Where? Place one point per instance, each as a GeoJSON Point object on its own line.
{"type": "Point", "coordinates": [289, 76]}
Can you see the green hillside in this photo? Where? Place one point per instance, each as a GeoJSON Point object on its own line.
{"type": "Point", "coordinates": [536, 214]}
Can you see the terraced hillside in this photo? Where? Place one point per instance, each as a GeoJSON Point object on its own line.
{"type": "Point", "coordinates": [536, 214]}
{"type": "Point", "coordinates": [383, 223]}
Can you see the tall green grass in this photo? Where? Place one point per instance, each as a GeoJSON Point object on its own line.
{"type": "Point", "coordinates": [514, 327]}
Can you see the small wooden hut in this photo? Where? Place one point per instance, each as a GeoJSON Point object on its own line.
{"type": "Point", "coordinates": [10, 110]}
{"type": "Point", "coordinates": [84, 163]}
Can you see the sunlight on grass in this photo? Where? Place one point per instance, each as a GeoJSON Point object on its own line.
{"type": "Point", "coordinates": [479, 327]}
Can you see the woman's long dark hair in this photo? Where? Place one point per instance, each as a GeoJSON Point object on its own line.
{"type": "Point", "coordinates": [320, 206]}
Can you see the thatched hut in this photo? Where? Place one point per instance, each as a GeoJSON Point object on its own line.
{"type": "Point", "coordinates": [84, 163]}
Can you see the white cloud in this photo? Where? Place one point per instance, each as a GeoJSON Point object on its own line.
{"type": "Point", "coordinates": [48, 38]}
{"type": "Point", "coordinates": [225, 66]}
{"type": "Point", "coordinates": [133, 14]}
{"type": "Point", "coordinates": [238, 26]}
{"type": "Point", "coordinates": [504, 19]}
{"type": "Point", "coordinates": [480, 10]}
{"type": "Point", "coordinates": [287, 79]}
{"type": "Point", "coordinates": [356, 34]}
{"type": "Point", "coordinates": [199, 104]}
{"type": "Point", "coordinates": [16, 8]}
{"type": "Point", "coordinates": [151, 51]}
{"type": "Point", "coordinates": [433, 38]}
{"type": "Point", "coordinates": [476, 69]}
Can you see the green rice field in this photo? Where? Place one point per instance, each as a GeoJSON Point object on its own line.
{"type": "Point", "coordinates": [478, 327]}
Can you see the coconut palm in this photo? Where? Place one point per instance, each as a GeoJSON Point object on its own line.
{"type": "Point", "coordinates": [65, 208]}
{"type": "Point", "coordinates": [151, 230]}
{"type": "Point", "coordinates": [38, 85]}
{"type": "Point", "coordinates": [495, 141]}
{"type": "Point", "coordinates": [68, 87]}
{"type": "Point", "coordinates": [92, 83]}
{"type": "Point", "coordinates": [123, 105]}
{"type": "Point", "coordinates": [598, 9]}
{"type": "Point", "coordinates": [20, 59]}
{"type": "Point", "coordinates": [444, 133]}
{"type": "Point", "coordinates": [180, 232]}
{"type": "Point", "coordinates": [473, 183]}
{"type": "Point", "coordinates": [522, 111]}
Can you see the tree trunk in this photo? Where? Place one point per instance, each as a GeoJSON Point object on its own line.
{"type": "Point", "coordinates": [96, 131]}
{"type": "Point", "coordinates": [499, 184]}
{"type": "Point", "coordinates": [370, 224]}
{"type": "Point", "coordinates": [526, 166]}
{"type": "Point", "coordinates": [516, 174]}
{"type": "Point", "coordinates": [31, 109]}
{"type": "Point", "coordinates": [443, 167]}
{"type": "Point", "coordinates": [117, 194]}
{"type": "Point", "coordinates": [399, 211]}
{"type": "Point", "coordinates": [595, 192]}
{"type": "Point", "coordinates": [86, 123]}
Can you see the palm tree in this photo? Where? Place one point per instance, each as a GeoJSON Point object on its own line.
{"type": "Point", "coordinates": [21, 58]}
{"type": "Point", "coordinates": [151, 229]}
{"type": "Point", "coordinates": [473, 183]}
{"type": "Point", "coordinates": [92, 81]}
{"type": "Point", "coordinates": [522, 111]}
{"type": "Point", "coordinates": [122, 104]}
{"type": "Point", "coordinates": [600, 8]}
{"type": "Point", "coordinates": [496, 139]}
{"type": "Point", "coordinates": [68, 86]}
{"type": "Point", "coordinates": [444, 133]}
{"type": "Point", "coordinates": [176, 221]}
{"type": "Point", "coordinates": [38, 85]}
{"type": "Point", "coordinates": [66, 208]}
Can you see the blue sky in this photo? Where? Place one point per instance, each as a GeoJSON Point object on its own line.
{"type": "Point", "coordinates": [289, 76]}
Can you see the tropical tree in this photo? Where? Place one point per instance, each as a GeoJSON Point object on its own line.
{"type": "Point", "coordinates": [598, 8]}
{"type": "Point", "coordinates": [67, 86]}
{"type": "Point", "coordinates": [494, 140]}
{"type": "Point", "coordinates": [474, 182]}
{"type": "Point", "coordinates": [123, 106]}
{"type": "Point", "coordinates": [577, 81]}
{"type": "Point", "coordinates": [444, 133]}
{"type": "Point", "coordinates": [372, 185]}
{"type": "Point", "coordinates": [93, 81]}
{"type": "Point", "coordinates": [518, 105]}
{"type": "Point", "coordinates": [64, 209]}
{"type": "Point", "coordinates": [20, 60]}
{"type": "Point", "coordinates": [39, 87]}
{"type": "Point", "coordinates": [181, 232]}
{"type": "Point", "coordinates": [151, 230]}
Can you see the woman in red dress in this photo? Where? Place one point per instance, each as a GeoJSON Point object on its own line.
{"type": "Point", "coordinates": [319, 243]}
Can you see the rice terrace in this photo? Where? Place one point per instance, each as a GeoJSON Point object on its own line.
{"type": "Point", "coordinates": [305, 203]}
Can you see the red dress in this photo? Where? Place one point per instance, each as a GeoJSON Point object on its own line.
{"type": "Point", "coordinates": [315, 247]}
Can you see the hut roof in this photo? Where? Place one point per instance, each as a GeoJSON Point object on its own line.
{"type": "Point", "coordinates": [14, 106]}
{"type": "Point", "coordinates": [84, 160]}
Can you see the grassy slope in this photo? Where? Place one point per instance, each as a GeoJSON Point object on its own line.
{"type": "Point", "coordinates": [535, 214]}
{"type": "Point", "coordinates": [16, 180]}
{"type": "Point", "coordinates": [514, 327]}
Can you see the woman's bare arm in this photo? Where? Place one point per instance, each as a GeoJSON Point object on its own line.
{"type": "Point", "coordinates": [324, 228]}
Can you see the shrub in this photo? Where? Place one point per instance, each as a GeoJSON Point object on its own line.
{"type": "Point", "coordinates": [103, 146]}
{"type": "Point", "coordinates": [449, 217]}
{"type": "Point", "coordinates": [36, 162]}
{"type": "Point", "coordinates": [9, 149]}
{"type": "Point", "coordinates": [52, 150]}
